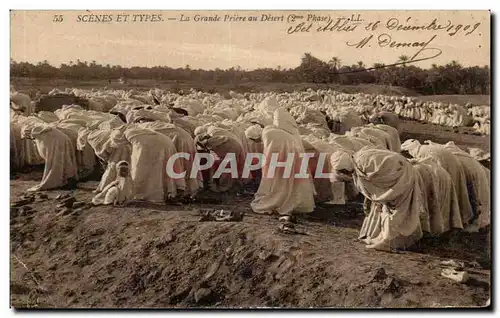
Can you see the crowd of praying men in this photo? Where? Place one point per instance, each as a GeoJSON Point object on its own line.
{"type": "Point", "coordinates": [409, 188]}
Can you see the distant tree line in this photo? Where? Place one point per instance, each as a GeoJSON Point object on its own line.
{"type": "Point", "coordinates": [451, 78]}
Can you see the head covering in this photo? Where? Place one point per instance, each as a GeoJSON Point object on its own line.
{"type": "Point", "coordinates": [98, 139]}
{"type": "Point", "coordinates": [432, 143]}
{"type": "Point", "coordinates": [269, 104]}
{"type": "Point", "coordinates": [341, 160]}
{"type": "Point", "coordinates": [117, 138]}
{"type": "Point", "coordinates": [122, 163]}
{"type": "Point", "coordinates": [412, 146]}
{"type": "Point", "coordinates": [81, 140]}
{"type": "Point", "coordinates": [34, 129]}
{"type": "Point", "coordinates": [479, 154]}
{"type": "Point", "coordinates": [283, 120]}
{"type": "Point", "coordinates": [72, 106]}
{"type": "Point", "coordinates": [47, 116]}
{"type": "Point", "coordinates": [254, 132]}
{"type": "Point", "coordinates": [200, 130]}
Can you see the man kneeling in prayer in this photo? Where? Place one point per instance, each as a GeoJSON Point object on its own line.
{"type": "Point", "coordinates": [118, 191]}
{"type": "Point", "coordinates": [281, 191]}
{"type": "Point", "coordinates": [227, 149]}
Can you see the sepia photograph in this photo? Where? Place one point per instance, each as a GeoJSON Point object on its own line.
{"type": "Point", "coordinates": [250, 159]}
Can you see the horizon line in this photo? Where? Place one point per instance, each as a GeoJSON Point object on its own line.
{"type": "Point", "coordinates": [409, 63]}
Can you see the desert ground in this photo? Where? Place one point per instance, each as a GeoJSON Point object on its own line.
{"type": "Point", "coordinates": [153, 256]}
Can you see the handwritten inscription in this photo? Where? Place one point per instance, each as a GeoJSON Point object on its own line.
{"type": "Point", "coordinates": [391, 34]}
{"type": "Point", "coordinates": [385, 40]}
{"type": "Point", "coordinates": [420, 38]}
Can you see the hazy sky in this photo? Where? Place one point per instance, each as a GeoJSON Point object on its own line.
{"type": "Point", "coordinates": [36, 37]}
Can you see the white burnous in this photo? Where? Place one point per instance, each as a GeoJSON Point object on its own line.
{"type": "Point", "coordinates": [148, 160]}
{"type": "Point", "coordinates": [452, 165]}
{"type": "Point", "coordinates": [309, 147]}
{"type": "Point", "coordinates": [100, 141]}
{"type": "Point", "coordinates": [118, 191]}
{"type": "Point", "coordinates": [478, 185]}
{"type": "Point", "coordinates": [389, 181]}
{"type": "Point", "coordinates": [57, 151]}
{"type": "Point", "coordinates": [184, 143]}
{"type": "Point", "coordinates": [222, 144]}
{"type": "Point", "coordinates": [278, 194]}
{"type": "Point", "coordinates": [440, 201]}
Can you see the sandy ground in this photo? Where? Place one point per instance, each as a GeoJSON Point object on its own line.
{"type": "Point", "coordinates": [164, 256]}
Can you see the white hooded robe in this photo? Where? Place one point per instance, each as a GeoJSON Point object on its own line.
{"type": "Point", "coordinates": [279, 194]}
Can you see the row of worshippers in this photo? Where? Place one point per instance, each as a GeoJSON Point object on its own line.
{"type": "Point", "coordinates": [443, 187]}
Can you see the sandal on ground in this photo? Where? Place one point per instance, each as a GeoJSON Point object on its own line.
{"type": "Point", "coordinates": [288, 219]}
{"type": "Point", "coordinates": [453, 264]}
{"type": "Point", "coordinates": [289, 228]}
{"type": "Point", "coordinates": [221, 216]}
{"type": "Point", "coordinates": [458, 276]}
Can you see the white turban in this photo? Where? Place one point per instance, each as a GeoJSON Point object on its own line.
{"type": "Point", "coordinates": [81, 140]}
{"type": "Point", "coordinates": [479, 154]}
{"type": "Point", "coordinates": [200, 130]}
{"type": "Point", "coordinates": [254, 132]}
{"type": "Point", "coordinates": [341, 160]}
{"type": "Point", "coordinates": [117, 138]}
{"type": "Point", "coordinates": [34, 129]}
{"type": "Point", "coordinates": [283, 120]}
{"type": "Point", "coordinates": [412, 146]}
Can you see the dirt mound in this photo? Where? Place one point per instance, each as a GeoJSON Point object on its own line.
{"type": "Point", "coordinates": [54, 102]}
{"type": "Point", "coordinates": [163, 256]}
{"type": "Point", "coordinates": [459, 99]}
{"type": "Point", "coordinates": [464, 137]}
{"type": "Point", "coordinates": [32, 85]}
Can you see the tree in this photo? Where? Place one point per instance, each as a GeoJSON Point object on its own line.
{"type": "Point", "coordinates": [403, 59]}
{"type": "Point", "coordinates": [314, 70]}
{"type": "Point", "coordinates": [454, 64]}
{"type": "Point", "coordinates": [334, 62]}
{"type": "Point", "coordinates": [451, 78]}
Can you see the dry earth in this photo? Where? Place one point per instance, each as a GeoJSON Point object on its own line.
{"type": "Point", "coordinates": [163, 256]}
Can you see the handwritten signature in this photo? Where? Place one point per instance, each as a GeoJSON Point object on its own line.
{"type": "Point", "coordinates": [385, 40]}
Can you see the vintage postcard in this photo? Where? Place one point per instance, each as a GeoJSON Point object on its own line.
{"type": "Point", "coordinates": [250, 159]}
